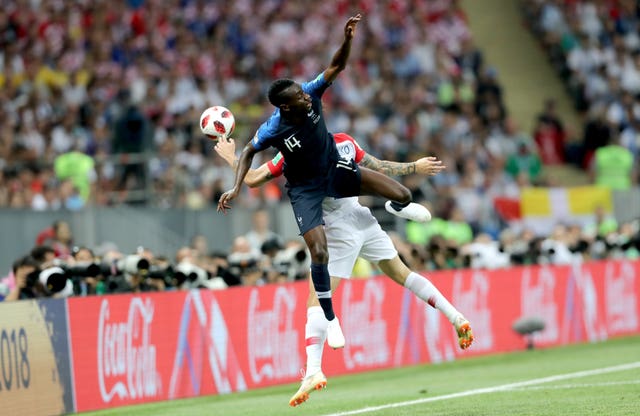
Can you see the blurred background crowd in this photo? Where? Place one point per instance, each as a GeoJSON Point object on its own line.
{"type": "Point", "coordinates": [595, 48]}
{"type": "Point", "coordinates": [56, 267]}
{"type": "Point", "coordinates": [99, 97]}
{"type": "Point", "coordinates": [99, 102]}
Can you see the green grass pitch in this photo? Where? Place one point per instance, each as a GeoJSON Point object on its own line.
{"type": "Point", "coordinates": [586, 379]}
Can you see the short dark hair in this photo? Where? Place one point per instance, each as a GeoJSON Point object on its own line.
{"type": "Point", "coordinates": [275, 90]}
{"type": "Point", "coordinates": [23, 262]}
{"type": "Point", "coordinates": [40, 252]}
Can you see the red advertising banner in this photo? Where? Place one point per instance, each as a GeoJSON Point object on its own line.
{"type": "Point", "coordinates": [138, 348]}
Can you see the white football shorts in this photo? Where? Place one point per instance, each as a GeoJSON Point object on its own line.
{"type": "Point", "coordinates": [354, 232]}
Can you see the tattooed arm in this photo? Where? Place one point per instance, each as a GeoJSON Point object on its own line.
{"type": "Point", "coordinates": [424, 166]}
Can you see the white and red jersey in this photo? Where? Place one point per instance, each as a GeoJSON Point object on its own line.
{"type": "Point", "coordinates": [351, 230]}
{"type": "Point", "coordinates": [349, 149]}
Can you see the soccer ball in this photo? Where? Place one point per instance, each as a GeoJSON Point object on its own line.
{"type": "Point", "coordinates": [217, 121]}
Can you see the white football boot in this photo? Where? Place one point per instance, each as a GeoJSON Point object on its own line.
{"type": "Point", "coordinates": [309, 384]}
{"type": "Point", "coordinates": [414, 212]}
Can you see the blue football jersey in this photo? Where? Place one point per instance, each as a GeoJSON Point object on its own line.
{"type": "Point", "coordinates": [308, 148]}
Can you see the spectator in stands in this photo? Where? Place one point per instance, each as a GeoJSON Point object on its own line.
{"type": "Point", "coordinates": [630, 137]}
{"type": "Point", "coordinates": [598, 54]}
{"type": "Point", "coordinates": [131, 138]}
{"type": "Point", "coordinates": [602, 225]}
{"type": "Point", "coordinates": [101, 74]}
{"type": "Point", "coordinates": [613, 167]}
{"type": "Point", "coordinates": [261, 230]}
{"type": "Point", "coordinates": [78, 167]}
{"type": "Point", "coordinates": [524, 160]}
{"type": "Point", "coordinates": [58, 237]}
{"type": "Point", "coordinates": [199, 245]}
{"type": "Point", "coordinates": [597, 133]}
{"type": "Point", "coordinates": [549, 135]}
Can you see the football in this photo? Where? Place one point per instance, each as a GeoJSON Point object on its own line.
{"type": "Point", "coordinates": [217, 121]}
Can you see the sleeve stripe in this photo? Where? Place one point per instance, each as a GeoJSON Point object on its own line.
{"type": "Point", "coordinates": [276, 165]}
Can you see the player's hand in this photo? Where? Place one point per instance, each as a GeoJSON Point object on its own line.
{"type": "Point", "coordinates": [350, 27]}
{"type": "Point", "coordinates": [225, 200]}
{"type": "Point", "coordinates": [430, 166]}
{"type": "Point", "coordinates": [226, 148]}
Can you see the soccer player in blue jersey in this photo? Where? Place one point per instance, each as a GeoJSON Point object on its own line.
{"type": "Point", "coordinates": [352, 231]}
{"type": "Point", "coordinates": [314, 169]}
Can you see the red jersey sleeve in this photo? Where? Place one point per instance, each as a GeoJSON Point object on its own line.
{"type": "Point", "coordinates": [343, 137]}
{"type": "Point", "coordinates": [276, 165]}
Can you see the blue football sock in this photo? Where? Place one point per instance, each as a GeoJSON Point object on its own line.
{"type": "Point", "coordinates": [322, 285]}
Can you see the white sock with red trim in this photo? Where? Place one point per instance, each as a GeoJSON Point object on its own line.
{"type": "Point", "coordinates": [425, 290]}
{"type": "Point", "coordinates": [315, 333]}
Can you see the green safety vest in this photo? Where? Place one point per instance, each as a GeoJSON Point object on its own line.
{"type": "Point", "coordinates": [613, 167]}
{"type": "Point", "coordinates": [75, 166]}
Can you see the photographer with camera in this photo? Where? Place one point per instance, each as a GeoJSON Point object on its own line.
{"type": "Point", "coordinates": [246, 267]}
{"type": "Point", "coordinates": [37, 275]}
{"type": "Point", "coordinates": [193, 271]}
{"type": "Point", "coordinates": [24, 286]}
{"type": "Point", "coordinates": [291, 263]}
{"type": "Point", "coordinates": [138, 273]}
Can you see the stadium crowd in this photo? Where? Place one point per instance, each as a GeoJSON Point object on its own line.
{"type": "Point", "coordinates": [100, 101]}
{"type": "Point", "coordinates": [595, 48]}
{"type": "Point", "coordinates": [100, 98]}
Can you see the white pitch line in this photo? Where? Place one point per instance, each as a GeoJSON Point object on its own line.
{"type": "Point", "coordinates": [578, 385]}
{"type": "Point", "coordinates": [486, 390]}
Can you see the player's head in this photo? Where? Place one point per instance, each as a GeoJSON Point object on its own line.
{"type": "Point", "coordinates": [288, 96]}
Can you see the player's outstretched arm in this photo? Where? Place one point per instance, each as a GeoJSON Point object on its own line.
{"type": "Point", "coordinates": [243, 167]}
{"type": "Point", "coordinates": [255, 177]}
{"type": "Point", "coordinates": [339, 61]}
{"type": "Point", "coordinates": [429, 166]}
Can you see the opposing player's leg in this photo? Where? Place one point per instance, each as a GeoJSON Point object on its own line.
{"type": "Point", "coordinates": [315, 334]}
{"type": "Point", "coordinates": [344, 240]}
{"type": "Point", "coordinates": [399, 204]}
{"type": "Point", "coordinates": [425, 290]}
{"type": "Point", "coordinates": [378, 247]}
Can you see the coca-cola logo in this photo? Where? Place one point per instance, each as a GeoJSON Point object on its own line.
{"type": "Point", "coordinates": [126, 356]}
{"type": "Point", "coordinates": [364, 326]}
{"type": "Point", "coordinates": [583, 296]}
{"type": "Point", "coordinates": [198, 329]}
{"type": "Point", "coordinates": [471, 297]}
{"type": "Point", "coordinates": [437, 334]}
{"type": "Point", "coordinates": [622, 303]}
{"type": "Point", "coordinates": [538, 300]}
{"type": "Point", "coordinates": [272, 339]}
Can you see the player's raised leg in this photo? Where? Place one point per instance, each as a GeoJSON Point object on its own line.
{"type": "Point", "coordinates": [399, 204]}
{"type": "Point", "coordinates": [425, 290]}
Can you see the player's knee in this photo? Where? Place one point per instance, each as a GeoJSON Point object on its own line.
{"type": "Point", "coordinates": [404, 195]}
{"type": "Point", "coordinates": [319, 254]}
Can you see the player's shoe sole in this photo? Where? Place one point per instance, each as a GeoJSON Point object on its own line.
{"type": "Point", "coordinates": [335, 337]}
{"type": "Point", "coordinates": [309, 384]}
{"type": "Point", "coordinates": [465, 334]}
{"type": "Point", "coordinates": [414, 212]}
